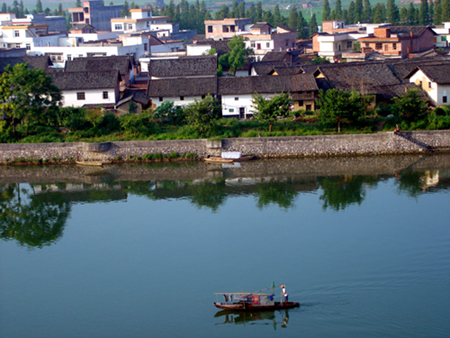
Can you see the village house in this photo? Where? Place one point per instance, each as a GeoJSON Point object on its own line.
{"type": "Point", "coordinates": [399, 41]}
{"type": "Point", "coordinates": [95, 14]}
{"type": "Point", "coordinates": [184, 67]}
{"type": "Point", "coordinates": [28, 36]}
{"type": "Point", "coordinates": [262, 38]}
{"type": "Point", "coordinates": [142, 19]}
{"type": "Point", "coordinates": [55, 23]}
{"type": "Point", "coordinates": [124, 64]}
{"type": "Point", "coordinates": [181, 91]}
{"type": "Point", "coordinates": [89, 88]}
{"type": "Point", "coordinates": [442, 35]}
{"type": "Point", "coordinates": [226, 28]}
{"type": "Point", "coordinates": [236, 92]}
{"type": "Point", "coordinates": [333, 45]}
{"type": "Point", "coordinates": [434, 80]}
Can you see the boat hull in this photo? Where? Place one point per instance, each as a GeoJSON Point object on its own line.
{"type": "Point", "coordinates": [251, 307]}
{"type": "Point", "coordinates": [228, 160]}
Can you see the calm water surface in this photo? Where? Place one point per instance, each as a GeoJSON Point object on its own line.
{"type": "Point", "coordinates": [103, 254]}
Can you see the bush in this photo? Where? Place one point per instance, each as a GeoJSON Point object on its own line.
{"type": "Point", "coordinates": [173, 155]}
{"type": "Point", "coordinates": [191, 155]}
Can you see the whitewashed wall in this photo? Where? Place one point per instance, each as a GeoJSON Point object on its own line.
{"type": "Point", "coordinates": [93, 96]}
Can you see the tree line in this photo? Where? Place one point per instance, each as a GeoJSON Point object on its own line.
{"type": "Point", "coordinates": [429, 13]}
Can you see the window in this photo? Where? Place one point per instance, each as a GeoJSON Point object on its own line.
{"type": "Point", "coordinates": [87, 21]}
{"type": "Point", "coordinates": [181, 98]}
{"type": "Point", "coordinates": [225, 29]}
{"type": "Point", "coordinates": [267, 44]}
{"type": "Point", "coordinates": [378, 46]}
{"type": "Point", "coordinates": [145, 47]}
{"type": "Point", "coordinates": [210, 29]}
{"type": "Point", "coordinates": [16, 34]}
{"type": "Point", "coordinates": [444, 99]}
{"type": "Point", "coordinates": [394, 46]}
{"type": "Point", "coordinates": [118, 27]}
{"type": "Point", "coordinates": [429, 85]}
{"type": "Point", "coordinates": [105, 95]}
{"type": "Point", "coordinates": [148, 24]}
{"type": "Point", "coordinates": [232, 29]}
{"type": "Point", "coordinates": [385, 47]}
{"type": "Point", "coordinates": [17, 45]}
{"type": "Point", "coordinates": [28, 46]}
{"type": "Point", "coordinates": [252, 44]}
{"type": "Point", "coordinates": [81, 96]}
{"type": "Point", "coordinates": [231, 110]}
{"type": "Point", "coordinates": [287, 42]}
{"type": "Point", "coordinates": [86, 10]}
{"type": "Point", "coordinates": [69, 57]}
{"type": "Point", "coordinates": [160, 99]}
{"type": "Point", "coordinates": [258, 46]}
{"type": "Point", "coordinates": [349, 45]}
{"type": "Point", "coordinates": [300, 103]}
{"type": "Point", "coordinates": [367, 44]}
{"type": "Point", "coordinates": [236, 98]}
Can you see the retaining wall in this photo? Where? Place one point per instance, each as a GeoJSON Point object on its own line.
{"type": "Point", "coordinates": [266, 147]}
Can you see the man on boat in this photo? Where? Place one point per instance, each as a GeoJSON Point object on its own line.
{"type": "Point", "coordinates": [284, 293]}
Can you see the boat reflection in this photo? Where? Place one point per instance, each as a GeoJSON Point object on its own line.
{"type": "Point", "coordinates": [254, 318]}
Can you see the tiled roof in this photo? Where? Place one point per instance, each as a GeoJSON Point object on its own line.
{"type": "Point", "coordinates": [97, 63]}
{"type": "Point", "coordinates": [407, 30]}
{"type": "Point", "coordinates": [220, 46]}
{"type": "Point", "coordinates": [266, 84]}
{"type": "Point", "coordinates": [42, 62]}
{"type": "Point", "coordinates": [436, 73]}
{"type": "Point", "coordinates": [182, 87]}
{"type": "Point", "coordinates": [184, 66]}
{"type": "Point", "coordinates": [86, 80]}
{"type": "Point", "coordinates": [266, 68]}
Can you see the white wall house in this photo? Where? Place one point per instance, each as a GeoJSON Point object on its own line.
{"type": "Point", "coordinates": [28, 36]}
{"type": "Point", "coordinates": [434, 80]}
{"type": "Point", "coordinates": [333, 45]}
{"type": "Point", "coordinates": [141, 20]}
{"type": "Point", "coordinates": [238, 105]}
{"type": "Point", "coordinates": [88, 88]}
{"type": "Point", "coordinates": [442, 39]}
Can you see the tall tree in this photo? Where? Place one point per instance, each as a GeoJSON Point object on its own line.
{"type": "Point", "coordinates": [302, 24]}
{"type": "Point", "coordinates": [15, 8]}
{"type": "Point", "coordinates": [21, 10]}
{"type": "Point", "coordinates": [293, 18]}
{"type": "Point", "coordinates": [404, 16]}
{"type": "Point", "coordinates": [351, 13]}
{"type": "Point", "coordinates": [338, 13]}
{"type": "Point", "coordinates": [313, 25]}
{"type": "Point", "coordinates": [258, 12]}
{"type": "Point", "coordinates": [223, 13]}
{"type": "Point", "coordinates": [277, 15]}
{"type": "Point", "coordinates": [437, 18]}
{"type": "Point", "coordinates": [431, 13]}
{"type": "Point", "coordinates": [251, 12]}
{"type": "Point", "coordinates": [326, 11]}
{"type": "Point", "coordinates": [367, 12]}
{"type": "Point", "coordinates": [241, 9]}
{"type": "Point", "coordinates": [234, 10]}
{"type": "Point", "coordinates": [379, 13]}
{"type": "Point", "coordinates": [202, 114]}
{"type": "Point", "coordinates": [4, 8]}
{"type": "Point", "coordinates": [411, 15]}
{"type": "Point", "coordinates": [445, 10]}
{"type": "Point", "coordinates": [393, 14]}
{"type": "Point", "coordinates": [358, 11]}
{"type": "Point", "coordinates": [126, 9]}
{"type": "Point", "coordinates": [423, 12]}
{"type": "Point", "coordinates": [78, 3]}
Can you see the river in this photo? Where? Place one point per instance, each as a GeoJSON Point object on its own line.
{"type": "Point", "coordinates": [139, 250]}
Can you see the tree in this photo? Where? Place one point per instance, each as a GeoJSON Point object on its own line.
{"type": "Point", "coordinates": [251, 12]}
{"type": "Point", "coordinates": [258, 12]}
{"type": "Point", "coordinates": [351, 13]}
{"type": "Point", "coordinates": [393, 14]}
{"type": "Point", "coordinates": [4, 8]}
{"type": "Point", "coordinates": [126, 9]}
{"type": "Point", "coordinates": [313, 25]}
{"type": "Point", "coordinates": [326, 11]}
{"type": "Point", "coordinates": [302, 33]}
{"type": "Point", "coordinates": [437, 18]}
{"type": "Point", "coordinates": [367, 13]}
{"type": "Point", "coordinates": [411, 15]}
{"type": "Point", "coordinates": [358, 11]}
{"type": "Point", "coordinates": [235, 58]}
{"type": "Point", "coordinates": [445, 10]}
{"type": "Point", "coordinates": [410, 106]}
{"type": "Point", "coordinates": [28, 95]}
{"type": "Point", "coordinates": [78, 3]}
{"type": "Point", "coordinates": [379, 13]}
{"type": "Point", "coordinates": [202, 114]}
{"type": "Point", "coordinates": [268, 110]}
{"type": "Point", "coordinates": [341, 106]}
{"type": "Point", "coordinates": [277, 17]}
{"type": "Point", "coordinates": [293, 18]}
{"type": "Point", "coordinates": [281, 193]}
{"type": "Point", "coordinates": [338, 10]}
{"type": "Point", "coordinates": [170, 114]}
{"type": "Point", "coordinates": [223, 13]}
{"type": "Point", "coordinates": [423, 13]}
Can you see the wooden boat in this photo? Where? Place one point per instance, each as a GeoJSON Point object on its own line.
{"type": "Point", "coordinates": [244, 306]}
{"type": "Point", "coordinates": [254, 301]}
{"type": "Point", "coordinates": [92, 163]}
{"type": "Point", "coordinates": [218, 159]}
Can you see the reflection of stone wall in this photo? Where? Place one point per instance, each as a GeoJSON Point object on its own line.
{"type": "Point", "coordinates": [300, 146]}
{"type": "Point", "coordinates": [305, 168]}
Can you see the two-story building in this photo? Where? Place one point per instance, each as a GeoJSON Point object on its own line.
{"type": "Point", "coordinates": [96, 14]}
{"type": "Point", "coordinates": [442, 38]}
{"type": "Point", "coordinates": [263, 38]}
{"type": "Point", "coordinates": [142, 19]}
{"type": "Point", "coordinates": [28, 36]}
{"type": "Point", "coordinates": [226, 28]}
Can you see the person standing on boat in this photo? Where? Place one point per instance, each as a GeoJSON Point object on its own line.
{"type": "Point", "coordinates": [284, 293]}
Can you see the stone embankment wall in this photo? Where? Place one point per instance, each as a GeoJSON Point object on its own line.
{"type": "Point", "coordinates": [267, 147]}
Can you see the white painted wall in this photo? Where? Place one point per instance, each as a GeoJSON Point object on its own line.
{"type": "Point", "coordinates": [231, 106]}
{"type": "Point", "coordinates": [95, 36]}
{"type": "Point", "coordinates": [436, 93]}
{"type": "Point", "coordinates": [196, 50]}
{"type": "Point", "coordinates": [93, 96]}
{"type": "Point", "coordinates": [176, 100]}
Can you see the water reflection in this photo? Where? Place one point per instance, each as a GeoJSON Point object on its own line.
{"type": "Point", "coordinates": [254, 318]}
{"type": "Point", "coordinates": [35, 214]}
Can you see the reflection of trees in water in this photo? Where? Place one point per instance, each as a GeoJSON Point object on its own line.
{"type": "Point", "coordinates": [275, 192]}
{"type": "Point", "coordinates": [410, 183]}
{"type": "Point", "coordinates": [341, 191]}
{"type": "Point", "coordinates": [210, 194]}
{"type": "Point", "coordinates": [34, 221]}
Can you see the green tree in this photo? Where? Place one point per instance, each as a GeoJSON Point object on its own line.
{"type": "Point", "coordinates": [320, 60]}
{"type": "Point", "coordinates": [437, 18]}
{"type": "Point", "coordinates": [136, 123]}
{"type": "Point", "coordinates": [411, 15]}
{"type": "Point", "coordinates": [223, 13]}
{"type": "Point", "coordinates": [234, 10]}
{"type": "Point", "coordinates": [351, 13]}
{"type": "Point", "coordinates": [367, 12]}
{"type": "Point", "coordinates": [392, 11]}
{"type": "Point", "coordinates": [258, 12]}
{"type": "Point", "coordinates": [277, 20]}
{"type": "Point", "coordinates": [338, 10]}
{"type": "Point", "coordinates": [338, 106]}
{"type": "Point", "coordinates": [251, 12]}
{"type": "Point", "coordinates": [281, 193]}
{"type": "Point", "coordinates": [302, 25]}
{"type": "Point", "coordinates": [445, 10]}
{"type": "Point", "coordinates": [77, 3]}
{"type": "Point", "coordinates": [4, 8]}
{"type": "Point", "coordinates": [168, 113]}
{"type": "Point", "coordinates": [313, 25]}
{"type": "Point", "coordinates": [293, 18]}
{"type": "Point", "coordinates": [379, 13]}
{"type": "Point", "coordinates": [268, 110]}
{"type": "Point", "coordinates": [28, 95]}
{"type": "Point", "coordinates": [126, 9]}
{"type": "Point", "coordinates": [202, 114]}
{"type": "Point", "coordinates": [326, 11]}
{"type": "Point", "coordinates": [423, 13]}
{"type": "Point", "coordinates": [241, 9]}
{"type": "Point", "coordinates": [358, 11]}
{"type": "Point", "coordinates": [235, 58]}
{"type": "Point", "coordinates": [410, 106]}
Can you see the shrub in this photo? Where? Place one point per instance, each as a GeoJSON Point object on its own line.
{"type": "Point", "coordinates": [191, 155]}
{"type": "Point", "coordinates": [173, 154]}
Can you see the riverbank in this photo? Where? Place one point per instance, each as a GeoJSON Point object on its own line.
{"type": "Point", "coordinates": [383, 143]}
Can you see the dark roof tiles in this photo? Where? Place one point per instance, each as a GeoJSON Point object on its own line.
{"type": "Point", "coordinates": [86, 80]}
{"type": "Point", "coordinates": [98, 63]}
{"type": "Point", "coordinates": [184, 66]}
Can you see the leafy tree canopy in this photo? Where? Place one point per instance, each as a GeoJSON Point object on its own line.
{"type": "Point", "coordinates": [268, 110]}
